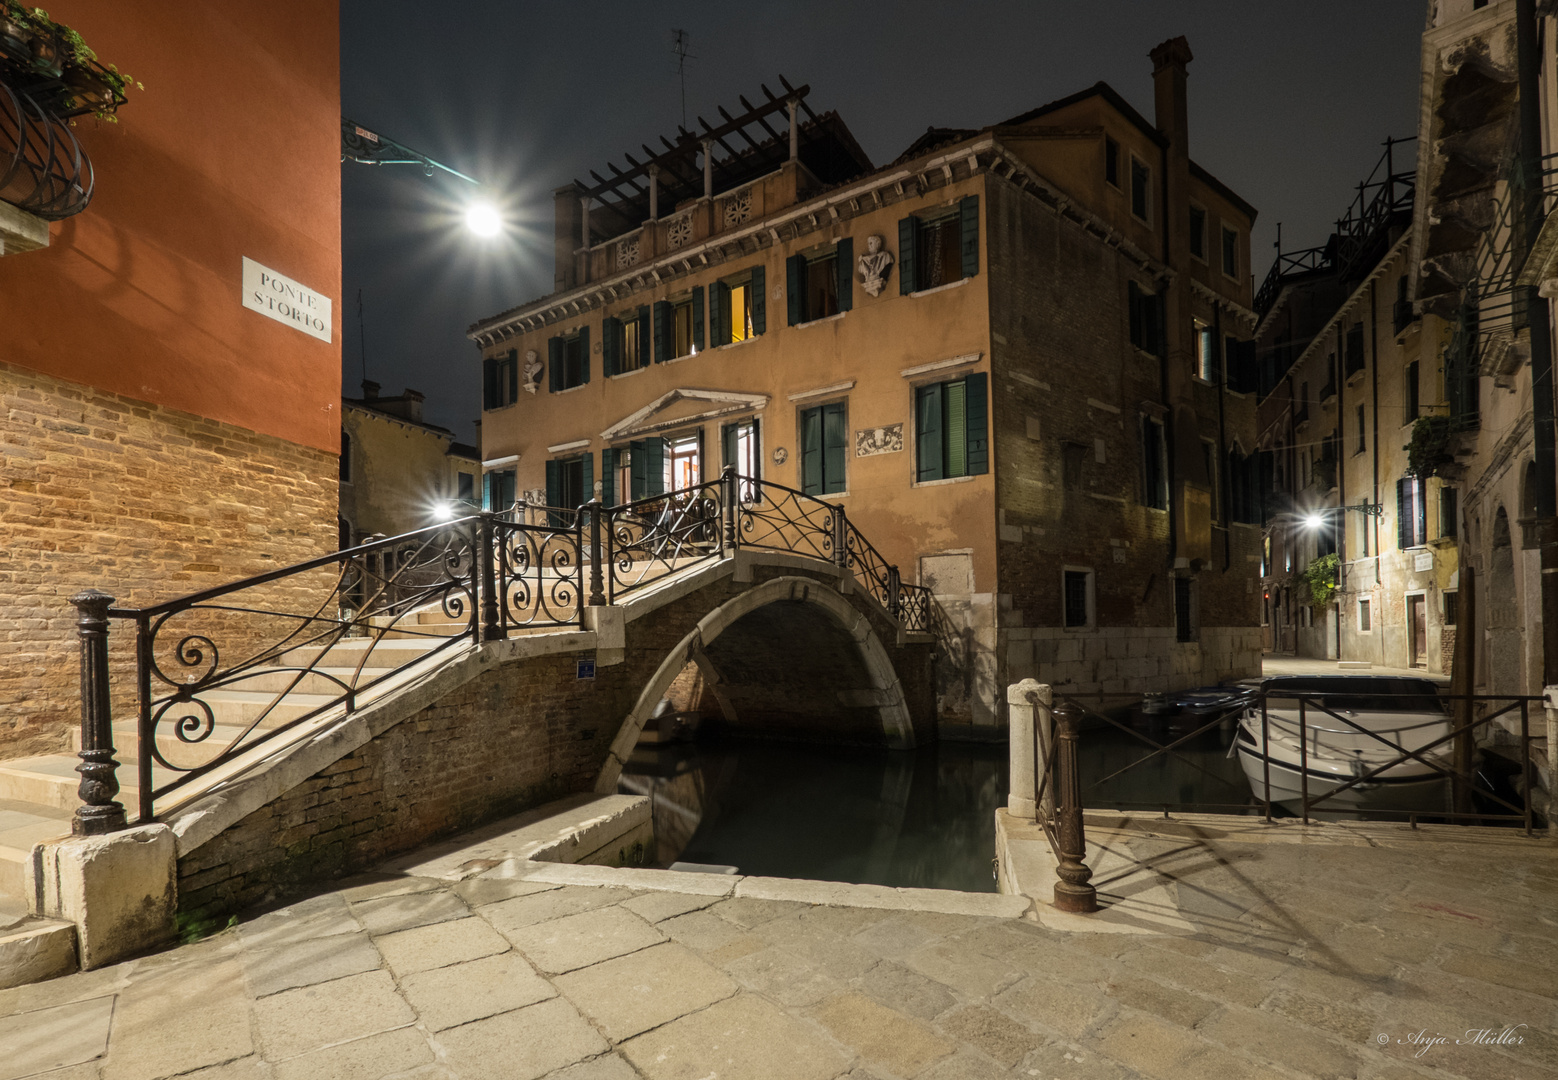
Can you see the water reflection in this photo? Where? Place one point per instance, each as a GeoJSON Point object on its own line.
{"type": "Point", "coordinates": [922, 818]}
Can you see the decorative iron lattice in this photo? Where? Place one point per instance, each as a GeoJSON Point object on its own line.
{"type": "Point", "coordinates": [43, 169]}
{"type": "Point", "coordinates": [655, 537]}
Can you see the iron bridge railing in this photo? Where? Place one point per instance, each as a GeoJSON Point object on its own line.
{"type": "Point", "coordinates": [222, 673]}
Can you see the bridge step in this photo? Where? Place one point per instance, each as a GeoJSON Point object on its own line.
{"type": "Point", "coordinates": [350, 652]}
{"type": "Point", "coordinates": [33, 949]}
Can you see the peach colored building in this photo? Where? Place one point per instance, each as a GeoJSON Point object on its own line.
{"type": "Point", "coordinates": [1015, 355]}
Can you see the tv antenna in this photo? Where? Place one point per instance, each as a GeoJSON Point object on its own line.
{"type": "Point", "coordinates": [680, 44]}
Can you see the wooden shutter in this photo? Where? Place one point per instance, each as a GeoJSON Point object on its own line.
{"type": "Point", "coordinates": [646, 328]}
{"type": "Point", "coordinates": [908, 243]}
{"type": "Point", "coordinates": [511, 366]}
{"type": "Point", "coordinates": [795, 288]}
{"type": "Point", "coordinates": [1420, 504]}
{"type": "Point", "coordinates": [608, 477]}
{"type": "Point", "coordinates": [554, 483]}
{"type": "Point", "coordinates": [845, 267]}
{"type": "Point", "coordinates": [835, 446]}
{"type": "Point", "coordinates": [654, 466]}
{"type": "Point", "coordinates": [587, 489]}
{"type": "Point", "coordinates": [554, 365]}
{"type": "Point", "coordinates": [489, 383]}
{"type": "Point", "coordinates": [486, 491]}
{"type": "Point", "coordinates": [719, 315]}
{"type": "Point", "coordinates": [728, 443]}
{"type": "Point", "coordinates": [758, 288]}
{"type": "Point", "coordinates": [1404, 513]}
{"type": "Point", "coordinates": [637, 458]}
{"type": "Point", "coordinates": [584, 354]}
{"type": "Point", "coordinates": [978, 424]}
{"type": "Point", "coordinates": [662, 320]}
{"type": "Point", "coordinates": [968, 211]}
{"type": "Point", "coordinates": [611, 335]}
{"type": "Point", "coordinates": [927, 434]}
{"type": "Point", "coordinates": [811, 451]}
{"type": "Point", "coordinates": [697, 317]}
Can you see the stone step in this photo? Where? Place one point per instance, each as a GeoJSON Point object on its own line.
{"type": "Point", "coordinates": [22, 825]}
{"type": "Point", "coordinates": [325, 681]}
{"type": "Point", "coordinates": [33, 949]}
{"type": "Point", "coordinates": [350, 652]}
{"type": "Point", "coordinates": [51, 781]}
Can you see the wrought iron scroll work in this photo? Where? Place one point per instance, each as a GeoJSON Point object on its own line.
{"type": "Point", "coordinates": [655, 537]}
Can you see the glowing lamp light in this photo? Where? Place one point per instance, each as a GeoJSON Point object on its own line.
{"type": "Point", "coordinates": [483, 219]}
{"type": "Point", "coordinates": [443, 511]}
{"type": "Point", "coordinates": [1314, 521]}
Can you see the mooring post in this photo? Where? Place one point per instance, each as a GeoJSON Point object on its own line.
{"type": "Point", "coordinates": [98, 812]}
{"type": "Point", "coordinates": [840, 538]}
{"type": "Point", "coordinates": [597, 581]}
{"type": "Point", "coordinates": [731, 495]}
{"type": "Point", "coordinates": [492, 629]}
{"type": "Point", "coordinates": [1072, 891]}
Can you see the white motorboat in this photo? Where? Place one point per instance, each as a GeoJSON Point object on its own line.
{"type": "Point", "coordinates": [1345, 742]}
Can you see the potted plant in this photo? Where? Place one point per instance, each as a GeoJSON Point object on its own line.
{"type": "Point", "coordinates": [54, 63]}
{"type": "Point", "coordinates": [1430, 452]}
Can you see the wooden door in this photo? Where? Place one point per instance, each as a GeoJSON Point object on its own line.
{"type": "Point", "coordinates": [1417, 628]}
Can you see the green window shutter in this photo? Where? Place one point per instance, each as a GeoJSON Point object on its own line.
{"type": "Point", "coordinates": [489, 383]}
{"type": "Point", "coordinates": [811, 451]}
{"type": "Point", "coordinates": [645, 336]}
{"type": "Point", "coordinates": [608, 477]}
{"type": "Point", "coordinates": [719, 315]}
{"type": "Point", "coordinates": [927, 434]}
{"type": "Point", "coordinates": [697, 317]}
{"type": "Point", "coordinates": [513, 376]}
{"type": "Point", "coordinates": [955, 427]}
{"type": "Point", "coordinates": [908, 241]}
{"type": "Point", "coordinates": [977, 406]}
{"type": "Point", "coordinates": [486, 491]}
{"type": "Point", "coordinates": [637, 458]}
{"type": "Point", "coordinates": [795, 288]}
{"type": "Point", "coordinates": [610, 345]}
{"type": "Point", "coordinates": [757, 450]}
{"type": "Point", "coordinates": [845, 265]}
{"type": "Point", "coordinates": [554, 365]}
{"type": "Point", "coordinates": [759, 289]}
{"type": "Point", "coordinates": [728, 444]}
{"type": "Point", "coordinates": [968, 210]}
{"type": "Point", "coordinates": [654, 466]}
{"type": "Point", "coordinates": [584, 354]}
{"type": "Point", "coordinates": [662, 319]}
{"type": "Point", "coordinates": [589, 476]}
{"type": "Point", "coordinates": [554, 483]}
{"type": "Point", "coordinates": [835, 446]}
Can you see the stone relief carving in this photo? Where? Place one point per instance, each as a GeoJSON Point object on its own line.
{"type": "Point", "coordinates": [738, 208]}
{"type": "Point", "coordinates": [679, 231]}
{"type": "Point", "coordinates": [781, 455]}
{"type": "Point", "coordinates": [874, 266]}
{"type": "Point", "coordinates": [882, 440]}
{"type": "Point", "coordinates": [627, 252]}
{"type": "Point", "coordinates": [533, 369]}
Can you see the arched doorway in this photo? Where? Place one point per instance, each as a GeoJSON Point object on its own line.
{"type": "Point", "coordinates": [1503, 614]}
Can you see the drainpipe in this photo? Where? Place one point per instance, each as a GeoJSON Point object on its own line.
{"type": "Point", "coordinates": [1222, 448]}
{"type": "Point", "coordinates": [1374, 390]}
{"type": "Point", "coordinates": [1342, 553]}
{"type": "Point", "coordinates": [1538, 314]}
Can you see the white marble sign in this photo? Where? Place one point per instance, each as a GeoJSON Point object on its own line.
{"type": "Point", "coordinates": [278, 297]}
{"type": "Point", "coordinates": [882, 440]}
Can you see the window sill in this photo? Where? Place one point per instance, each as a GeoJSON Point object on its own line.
{"type": "Point", "coordinates": [814, 322]}
{"type": "Point", "coordinates": [1230, 277]}
{"type": "Point", "coordinates": [626, 374]}
{"type": "Point", "coordinates": [1080, 629]}
{"type": "Point", "coordinates": [734, 344]}
{"type": "Point", "coordinates": [947, 480]}
{"type": "Point", "coordinates": [569, 390]}
{"type": "Point", "coordinates": [500, 408]}
{"type": "Point", "coordinates": [1155, 509]}
{"type": "Point", "coordinates": [941, 288]}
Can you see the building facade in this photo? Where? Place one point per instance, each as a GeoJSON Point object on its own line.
{"type": "Point", "coordinates": [1015, 355]}
{"type": "Point", "coordinates": [169, 368]}
{"type": "Point", "coordinates": [398, 472]}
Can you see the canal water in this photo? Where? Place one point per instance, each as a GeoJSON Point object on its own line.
{"type": "Point", "coordinates": [923, 818]}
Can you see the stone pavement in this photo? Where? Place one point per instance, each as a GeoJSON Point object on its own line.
{"type": "Point", "coordinates": [1309, 957]}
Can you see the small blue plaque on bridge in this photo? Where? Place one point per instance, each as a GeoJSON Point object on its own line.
{"type": "Point", "coordinates": [587, 668]}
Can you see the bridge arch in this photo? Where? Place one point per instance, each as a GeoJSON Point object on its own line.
{"type": "Point", "coordinates": [883, 692]}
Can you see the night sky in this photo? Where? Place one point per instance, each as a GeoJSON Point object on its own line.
{"type": "Point", "coordinates": [1288, 106]}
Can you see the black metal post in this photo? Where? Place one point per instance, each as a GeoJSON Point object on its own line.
{"type": "Point", "coordinates": [597, 582]}
{"type": "Point", "coordinates": [143, 732]}
{"type": "Point", "coordinates": [731, 495]}
{"type": "Point", "coordinates": [1073, 891]}
{"type": "Point", "coordinates": [894, 601]}
{"type": "Point", "coordinates": [1303, 760]}
{"type": "Point", "coordinates": [1265, 752]}
{"type": "Point", "coordinates": [99, 813]}
{"type": "Point", "coordinates": [492, 628]}
{"type": "Point", "coordinates": [840, 538]}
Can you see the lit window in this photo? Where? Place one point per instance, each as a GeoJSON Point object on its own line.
{"type": "Point", "coordinates": [683, 461]}
{"type": "Point", "coordinates": [939, 250]}
{"type": "Point", "coordinates": [736, 308]}
{"type": "Point", "coordinates": [740, 449]}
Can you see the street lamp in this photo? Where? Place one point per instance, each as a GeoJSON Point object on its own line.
{"type": "Point", "coordinates": [367, 147]}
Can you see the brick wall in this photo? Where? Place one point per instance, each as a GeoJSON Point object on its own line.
{"type": "Point", "coordinates": [143, 502]}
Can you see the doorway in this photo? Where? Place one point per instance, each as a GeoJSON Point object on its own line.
{"type": "Point", "coordinates": [1417, 630]}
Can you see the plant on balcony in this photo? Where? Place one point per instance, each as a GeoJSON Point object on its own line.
{"type": "Point", "coordinates": [1319, 581]}
{"type": "Point", "coordinates": [53, 64]}
{"type": "Point", "coordinates": [1430, 452]}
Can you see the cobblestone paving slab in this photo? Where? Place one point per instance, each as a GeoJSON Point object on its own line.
{"type": "Point", "coordinates": [1279, 959]}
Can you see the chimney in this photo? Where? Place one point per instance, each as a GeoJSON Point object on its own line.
{"type": "Point", "coordinates": [370, 390]}
{"type": "Point", "coordinates": [1168, 75]}
{"type": "Point", "coordinates": [568, 236]}
{"type": "Point", "coordinates": [413, 409]}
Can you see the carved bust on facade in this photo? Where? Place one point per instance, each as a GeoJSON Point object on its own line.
{"type": "Point", "coordinates": [874, 266]}
{"type": "Point", "coordinates": [532, 371]}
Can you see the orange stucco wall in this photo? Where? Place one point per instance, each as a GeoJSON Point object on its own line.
{"type": "Point", "coordinates": [231, 150]}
